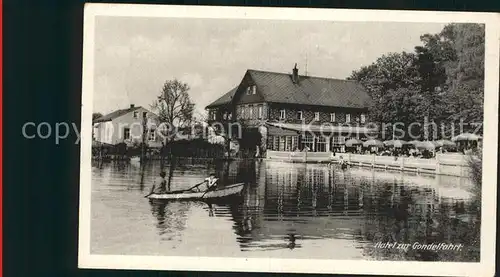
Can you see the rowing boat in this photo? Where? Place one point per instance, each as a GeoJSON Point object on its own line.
{"type": "Point", "coordinates": [226, 191]}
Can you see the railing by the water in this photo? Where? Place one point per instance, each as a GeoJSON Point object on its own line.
{"type": "Point", "coordinates": [445, 164]}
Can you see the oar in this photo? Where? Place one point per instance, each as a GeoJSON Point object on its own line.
{"type": "Point", "coordinates": [151, 192]}
{"type": "Point", "coordinates": [195, 186]}
{"type": "Point", "coordinates": [209, 189]}
{"type": "Point", "coordinates": [153, 188]}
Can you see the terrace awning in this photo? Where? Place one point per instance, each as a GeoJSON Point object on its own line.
{"type": "Point", "coordinates": [324, 129]}
{"type": "Point", "coordinates": [373, 142]}
{"type": "Point", "coordinates": [277, 131]}
{"type": "Point", "coordinates": [444, 143]}
{"type": "Point", "coordinates": [353, 142]}
{"type": "Point", "coordinates": [466, 137]}
{"type": "Point", "coordinates": [396, 143]}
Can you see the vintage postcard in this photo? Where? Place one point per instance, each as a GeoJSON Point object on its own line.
{"type": "Point", "coordinates": [289, 140]}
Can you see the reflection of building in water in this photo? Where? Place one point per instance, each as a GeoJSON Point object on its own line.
{"type": "Point", "coordinates": [306, 202]}
{"type": "Point", "coordinates": [302, 188]}
{"type": "Point", "coordinates": [295, 201]}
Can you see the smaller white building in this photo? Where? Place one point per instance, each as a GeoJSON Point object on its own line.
{"type": "Point", "coordinates": [127, 126]}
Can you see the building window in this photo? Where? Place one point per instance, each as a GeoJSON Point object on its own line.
{"type": "Point", "coordinates": [282, 114]}
{"type": "Point", "coordinates": [282, 143]}
{"type": "Point", "coordinates": [239, 112]}
{"type": "Point", "coordinates": [250, 112]}
{"type": "Point", "coordinates": [275, 143]}
{"type": "Point", "coordinates": [347, 118]}
{"type": "Point", "coordinates": [152, 135]}
{"type": "Point", "coordinates": [316, 116]}
{"type": "Point", "coordinates": [214, 114]}
{"type": "Point", "coordinates": [248, 90]}
{"type": "Point", "coordinates": [288, 144]}
{"type": "Point", "coordinates": [254, 89]}
{"type": "Point", "coordinates": [144, 114]}
{"type": "Point", "coordinates": [295, 143]}
{"type": "Point", "coordinates": [320, 144]}
{"type": "Point", "coordinates": [260, 111]}
{"type": "Point", "coordinates": [307, 141]}
{"type": "Point", "coordinates": [136, 114]}
{"type": "Point", "coordinates": [299, 115]}
{"type": "Point", "coordinates": [126, 133]}
{"type": "Point", "coordinates": [270, 142]}
{"type": "Point", "coordinates": [332, 117]}
{"type": "Point", "coordinates": [363, 118]}
{"type": "Point", "coordinates": [338, 140]}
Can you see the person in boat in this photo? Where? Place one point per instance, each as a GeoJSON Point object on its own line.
{"type": "Point", "coordinates": [210, 183]}
{"type": "Point", "coordinates": [343, 164]}
{"type": "Point", "coordinates": [160, 184]}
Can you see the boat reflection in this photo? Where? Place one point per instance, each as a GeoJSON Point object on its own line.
{"type": "Point", "coordinates": [171, 218]}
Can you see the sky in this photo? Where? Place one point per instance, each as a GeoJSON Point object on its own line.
{"type": "Point", "coordinates": [134, 56]}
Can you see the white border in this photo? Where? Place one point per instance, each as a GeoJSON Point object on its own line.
{"type": "Point", "coordinates": [484, 268]}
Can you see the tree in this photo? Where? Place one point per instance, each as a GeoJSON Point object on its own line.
{"type": "Point", "coordinates": [175, 110]}
{"type": "Point", "coordinates": [388, 79]}
{"type": "Point", "coordinates": [174, 105]}
{"type": "Point", "coordinates": [466, 74]}
{"type": "Point", "coordinates": [443, 80]}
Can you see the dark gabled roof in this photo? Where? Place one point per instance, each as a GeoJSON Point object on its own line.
{"type": "Point", "coordinates": [115, 114]}
{"type": "Point", "coordinates": [224, 99]}
{"type": "Point", "coordinates": [279, 88]}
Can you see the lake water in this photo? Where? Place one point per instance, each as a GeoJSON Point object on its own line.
{"type": "Point", "coordinates": [285, 211]}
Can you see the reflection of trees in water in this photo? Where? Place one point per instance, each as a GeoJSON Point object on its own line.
{"type": "Point", "coordinates": [171, 217]}
{"type": "Point", "coordinates": [418, 214]}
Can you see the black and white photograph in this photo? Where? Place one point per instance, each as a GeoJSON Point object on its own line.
{"type": "Point", "coordinates": [288, 140]}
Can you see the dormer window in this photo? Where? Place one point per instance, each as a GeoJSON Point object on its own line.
{"type": "Point", "coordinates": [136, 114]}
{"type": "Point", "coordinates": [248, 91]}
{"type": "Point", "coordinates": [254, 89]}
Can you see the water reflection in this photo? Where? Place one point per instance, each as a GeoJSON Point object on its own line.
{"type": "Point", "coordinates": [305, 208]}
{"type": "Point", "coordinates": [171, 218]}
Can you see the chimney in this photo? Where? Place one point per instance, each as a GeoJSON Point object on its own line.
{"type": "Point", "coordinates": [295, 75]}
{"type": "Point", "coordinates": [132, 106]}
